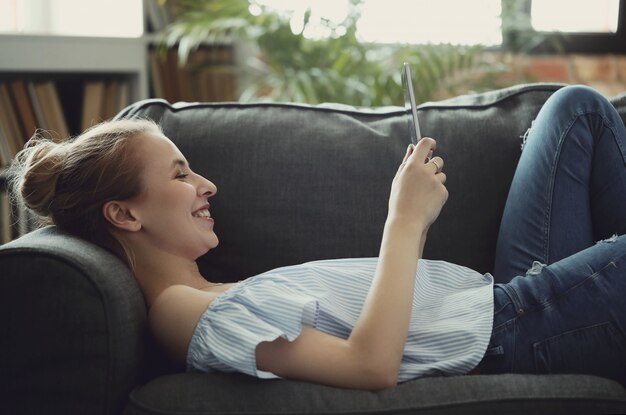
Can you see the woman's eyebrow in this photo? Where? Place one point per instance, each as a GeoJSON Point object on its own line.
{"type": "Point", "coordinates": [179, 163]}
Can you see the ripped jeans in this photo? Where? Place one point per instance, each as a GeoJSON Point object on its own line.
{"type": "Point", "coordinates": [560, 271]}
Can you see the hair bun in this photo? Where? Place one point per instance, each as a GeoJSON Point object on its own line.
{"type": "Point", "coordinates": [39, 165]}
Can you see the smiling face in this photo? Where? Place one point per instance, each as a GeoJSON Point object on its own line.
{"type": "Point", "coordinates": [172, 207]}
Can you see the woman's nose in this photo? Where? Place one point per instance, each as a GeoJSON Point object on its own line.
{"type": "Point", "coordinates": [207, 188]}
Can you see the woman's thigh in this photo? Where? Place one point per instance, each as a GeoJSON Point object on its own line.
{"type": "Point", "coordinates": [568, 317]}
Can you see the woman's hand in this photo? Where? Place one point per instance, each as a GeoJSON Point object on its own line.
{"type": "Point", "coordinates": [418, 192]}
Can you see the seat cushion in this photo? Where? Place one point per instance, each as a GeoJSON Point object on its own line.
{"type": "Point", "coordinates": [195, 393]}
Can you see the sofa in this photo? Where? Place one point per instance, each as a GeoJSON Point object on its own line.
{"type": "Point", "coordinates": [296, 183]}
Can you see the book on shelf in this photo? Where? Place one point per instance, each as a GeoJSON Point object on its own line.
{"type": "Point", "coordinates": [112, 91]}
{"type": "Point", "coordinates": [10, 129]}
{"type": "Point", "coordinates": [29, 105]}
{"type": "Point", "coordinates": [23, 106]}
{"type": "Point", "coordinates": [53, 119]}
{"type": "Point", "coordinates": [93, 100]}
{"type": "Point", "coordinates": [5, 218]}
{"type": "Point", "coordinates": [102, 100]}
{"type": "Point", "coordinates": [37, 109]}
{"type": "Point", "coordinates": [5, 150]}
{"type": "Point", "coordinates": [9, 119]}
{"type": "Point", "coordinates": [58, 121]}
{"type": "Point", "coordinates": [116, 95]}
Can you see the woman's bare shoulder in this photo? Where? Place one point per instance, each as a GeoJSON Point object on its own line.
{"type": "Point", "coordinates": [174, 315]}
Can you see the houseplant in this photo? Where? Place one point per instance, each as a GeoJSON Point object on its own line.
{"type": "Point", "coordinates": [284, 64]}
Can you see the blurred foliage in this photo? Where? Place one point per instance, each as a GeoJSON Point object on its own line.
{"type": "Point", "coordinates": [287, 66]}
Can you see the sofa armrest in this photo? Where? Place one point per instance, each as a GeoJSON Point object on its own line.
{"type": "Point", "coordinates": [73, 326]}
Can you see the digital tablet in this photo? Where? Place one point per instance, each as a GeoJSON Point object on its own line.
{"type": "Point", "coordinates": [409, 104]}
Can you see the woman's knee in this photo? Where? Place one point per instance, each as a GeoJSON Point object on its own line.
{"type": "Point", "coordinates": [579, 99]}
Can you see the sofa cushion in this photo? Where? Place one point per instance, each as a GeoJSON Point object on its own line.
{"type": "Point", "coordinates": [195, 393]}
{"type": "Point", "coordinates": [299, 183]}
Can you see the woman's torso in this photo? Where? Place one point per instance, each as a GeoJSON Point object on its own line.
{"type": "Point", "coordinates": [450, 325]}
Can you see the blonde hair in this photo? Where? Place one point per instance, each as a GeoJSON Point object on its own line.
{"type": "Point", "coordinates": [67, 183]}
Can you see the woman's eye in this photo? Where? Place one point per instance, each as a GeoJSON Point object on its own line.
{"type": "Point", "coordinates": [182, 176]}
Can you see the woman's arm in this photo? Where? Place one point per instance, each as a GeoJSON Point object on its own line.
{"type": "Point", "coordinates": [370, 358]}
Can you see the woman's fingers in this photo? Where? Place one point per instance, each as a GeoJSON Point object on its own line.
{"type": "Point", "coordinates": [437, 163]}
{"type": "Point", "coordinates": [418, 191]}
{"type": "Point", "coordinates": [409, 151]}
{"type": "Point", "coordinates": [423, 150]}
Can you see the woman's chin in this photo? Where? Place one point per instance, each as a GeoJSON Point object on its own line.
{"type": "Point", "coordinates": [217, 242]}
{"type": "Point", "coordinates": [213, 243]}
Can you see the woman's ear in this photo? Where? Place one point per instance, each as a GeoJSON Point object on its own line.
{"type": "Point", "coordinates": [119, 215]}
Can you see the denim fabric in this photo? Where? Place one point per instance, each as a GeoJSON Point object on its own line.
{"type": "Point", "coordinates": [559, 301]}
{"type": "Point", "coordinates": [569, 188]}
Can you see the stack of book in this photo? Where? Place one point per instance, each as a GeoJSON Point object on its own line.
{"type": "Point", "coordinates": [102, 100]}
{"type": "Point", "coordinates": [26, 106]}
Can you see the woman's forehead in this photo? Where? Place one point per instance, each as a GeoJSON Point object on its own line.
{"type": "Point", "coordinates": [158, 151]}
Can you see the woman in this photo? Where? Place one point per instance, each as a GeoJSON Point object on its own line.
{"type": "Point", "coordinates": [127, 187]}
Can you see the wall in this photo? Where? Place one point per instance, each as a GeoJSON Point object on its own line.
{"type": "Point", "coordinates": [607, 73]}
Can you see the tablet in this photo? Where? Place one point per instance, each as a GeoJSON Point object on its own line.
{"type": "Point", "coordinates": [409, 104]}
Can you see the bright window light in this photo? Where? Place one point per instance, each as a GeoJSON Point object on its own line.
{"type": "Point", "coordinates": [428, 21]}
{"type": "Point", "coordinates": [598, 16]}
{"type": "Point", "coordinates": [113, 18]}
{"type": "Point", "coordinates": [403, 21]}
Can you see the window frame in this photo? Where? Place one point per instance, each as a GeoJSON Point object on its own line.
{"type": "Point", "coordinates": [584, 42]}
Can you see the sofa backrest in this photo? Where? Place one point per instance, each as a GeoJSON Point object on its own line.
{"type": "Point", "coordinates": [299, 183]}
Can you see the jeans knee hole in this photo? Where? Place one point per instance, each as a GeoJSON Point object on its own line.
{"type": "Point", "coordinates": [609, 240]}
{"type": "Point", "coordinates": [536, 268]}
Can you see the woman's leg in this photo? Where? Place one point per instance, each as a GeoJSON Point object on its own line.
{"type": "Point", "coordinates": [569, 189]}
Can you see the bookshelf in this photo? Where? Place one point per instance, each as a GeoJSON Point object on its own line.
{"type": "Point", "coordinates": [69, 63]}
{"type": "Point", "coordinates": [53, 55]}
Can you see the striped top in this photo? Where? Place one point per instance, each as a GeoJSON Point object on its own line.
{"type": "Point", "coordinates": [449, 331]}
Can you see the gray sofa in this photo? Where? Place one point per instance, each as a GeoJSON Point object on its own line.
{"type": "Point", "coordinates": [296, 183]}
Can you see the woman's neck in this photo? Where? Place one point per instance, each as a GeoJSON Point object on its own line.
{"type": "Point", "coordinates": [156, 273]}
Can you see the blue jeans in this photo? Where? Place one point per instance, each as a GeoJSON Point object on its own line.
{"type": "Point", "coordinates": [560, 271]}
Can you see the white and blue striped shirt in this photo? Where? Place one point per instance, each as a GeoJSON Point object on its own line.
{"type": "Point", "coordinates": [449, 331]}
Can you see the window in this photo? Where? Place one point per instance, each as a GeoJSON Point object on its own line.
{"type": "Point", "coordinates": [428, 21]}
{"type": "Point", "coordinates": [578, 26]}
{"type": "Point", "coordinates": [402, 21]}
{"type": "Point", "coordinates": [114, 18]}
{"type": "Point", "coordinates": [599, 16]}
{"type": "Point", "coordinates": [593, 26]}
